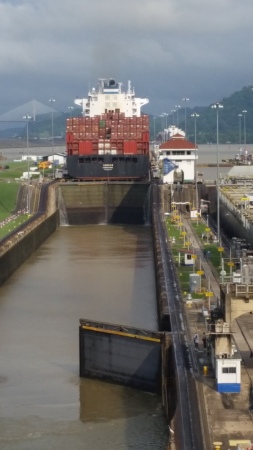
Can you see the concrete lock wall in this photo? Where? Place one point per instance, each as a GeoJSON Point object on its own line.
{"type": "Point", "coordinates": [161, 293]}
{"type": "Point", "coordinates": [22, 244]}
{"type": "Point", "coordinates": [18, 245]}
{"type": "Point", "coordinates": [234, 307]}
{"type": "Point", "coordinates": [89, 203]}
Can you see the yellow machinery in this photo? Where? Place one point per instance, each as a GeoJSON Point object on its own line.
{"type": "Point", "coordinates": [44, 165]}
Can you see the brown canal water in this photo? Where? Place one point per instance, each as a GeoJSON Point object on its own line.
{"type": "Point", "coordinates": [104, 273]}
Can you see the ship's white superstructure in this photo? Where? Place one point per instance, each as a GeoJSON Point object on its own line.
{"type": "Point", "coordinates": [110, 97]}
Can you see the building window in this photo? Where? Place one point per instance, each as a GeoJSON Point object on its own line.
{"type": "Point", "coordinates": [178, 152]}
{"type": "Point", "coordinates": [228, 369]}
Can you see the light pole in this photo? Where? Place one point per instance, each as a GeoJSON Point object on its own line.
{"type": "Point", "coordinates": [195, 116]}
{"type": "Point", "coordinates": [185, 100]}
{"type": "Point", "coordinates": [154, 132]}
{"type": "Point", "coordinates": [52, 100]}
{"type": "Point", "coordinates": [217, 106]}
{"type": "Point", "coordinates": [240, 129]}
{"type": "Point", "coordinates": [165, 115]}
{"type": "Point", "coordinates": [70, 110]}
{"type": "Point", "coordinates": [173, 111]}
{"type": "Point", "coordinates": [27, 118]}
{"type": "Point", "coordinates": [177, 108]}
{"type": "Point", "coordinates": [244, 128]}
{"type": "Point", "coordinates": [166, 121]}
{"type": "Point", "coordinates": [162, 126]}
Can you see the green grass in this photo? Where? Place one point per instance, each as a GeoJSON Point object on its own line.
{"type": "Point", "coordinates": [15, 170]}
{"type": "Point", "coordinates": [199, 227]}
{"type": "Point", "coordinates": [4, 230]}
{"type": "Point", "coordinates": [8, 194]}
{"type": "Point", "coordinates": [8, 197]}
{"type": "Point", "coordinates": [215, 255]}
{"type": "Point", "coordinates": [175, 231]}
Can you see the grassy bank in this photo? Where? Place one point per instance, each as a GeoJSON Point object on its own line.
{"type": "Point", "coordinates": [15, 170]}
{"type": "Point", "coordinates": [180, 244]}
{"type": "Point", "coordinates": [8, 198]}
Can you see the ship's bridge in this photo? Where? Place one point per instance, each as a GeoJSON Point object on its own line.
{"type": "Point", "coordinates": [109, 96]}
{"type": "Point", "coordinates": [111, 87]}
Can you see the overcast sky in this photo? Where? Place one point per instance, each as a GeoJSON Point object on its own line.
{"type": "Point", "coordinates": [169, 49]}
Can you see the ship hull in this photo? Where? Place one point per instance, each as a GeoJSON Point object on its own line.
{"type": "Point", "coordinates": [103, 167]}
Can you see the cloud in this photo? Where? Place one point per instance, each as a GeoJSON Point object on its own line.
{"type": "Point", "coordinates": [168, 48]}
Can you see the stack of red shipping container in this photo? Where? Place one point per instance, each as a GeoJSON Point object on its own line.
{"type": "Point", "coordinates": [109, 133]}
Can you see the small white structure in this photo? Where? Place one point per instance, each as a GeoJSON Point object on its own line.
{"type": "Point", "coordinates": [195, 282]}
{"type": "Point", "coordinates": [27, 175]}
{"type": "Point", "coordinates": [34, 158]}
{"type": "Point", "coordinates": [188, 258]}
{"type": "Point", "coordinates": [195, 213]}
{"type": "Point", "coordinates": [178, 157]}
{"type": "Point", "coordinates": [172, 130]}
{"type": "Point", "coordinates": [227, 363]}
{"type": "Point", "coordinates": [58, 159]}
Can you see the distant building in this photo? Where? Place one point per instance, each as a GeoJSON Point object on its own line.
{"type": "Point", "coordinates": [177, 157]}
{"type": "Point", "coordinates": [34, 158]}
{"type": "Point", "coordinates": [58, 159]}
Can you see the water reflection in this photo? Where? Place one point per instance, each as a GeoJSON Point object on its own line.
{"type": "Point", "coordinates": [102, 273]}
{"type": "Point", "coordinates": [129, 419]}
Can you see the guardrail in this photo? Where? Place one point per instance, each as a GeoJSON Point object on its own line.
{"type": "Point", "coordinates": [239, 290]}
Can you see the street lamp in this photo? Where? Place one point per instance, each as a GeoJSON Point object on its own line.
{"type": "Point", "coordinates": [52, 100]}
{"type": "Point", "coordinates": [173, 111]}
{"type": "Point", "coordinates": [185, 100]}
{"type": "Point", "coordinates": [195, 116]}
{"type": "Point", "coordinates": [154, 132]}
{"type": "Point", "coordinates": [70, 110]}
{"type": "Point", "coordinates": [177, 108]}
{"type": "Point", "coordinates": [165, 115]}
{"type": "Point", "coordinates": [244, 128]}
{"type": "Point", "coordinates": [217, 106]}
{"type": "Point", "coordinates": [162, 126]}
{"type": "Point", "coordinates": [27, 118]}
{"type": "Point", "coordinates": [240, 129]}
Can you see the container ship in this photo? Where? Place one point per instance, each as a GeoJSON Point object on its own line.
{"type": "Point", "coordinates": [110, 141]}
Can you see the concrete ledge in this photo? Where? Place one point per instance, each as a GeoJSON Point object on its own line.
{"type": "Point", "coordinates": [20, 246]}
